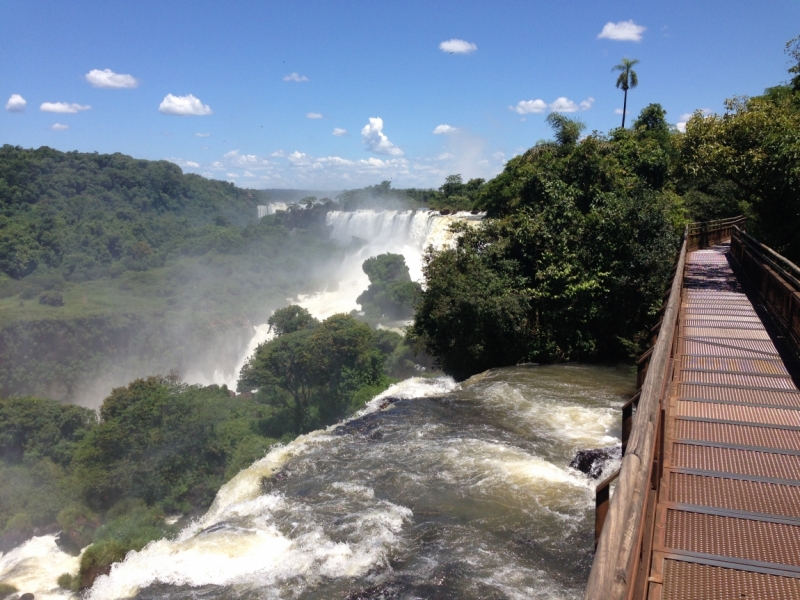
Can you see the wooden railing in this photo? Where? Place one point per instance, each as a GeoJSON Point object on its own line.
{"type": "Point", "coordinates": [775, 279]}
{"type": "Point", "coordinates": [708, 233]}
{"type": "Point", "coordinates": [623, 539]}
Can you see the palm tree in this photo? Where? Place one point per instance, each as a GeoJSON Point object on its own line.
{"type": "Point", "coordinates": [627, 79]}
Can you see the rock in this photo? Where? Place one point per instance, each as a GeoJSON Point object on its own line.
{"type": "Point", "coordinates": [27, 596]}
{"type": "Point", "coordinates": [592, 462]}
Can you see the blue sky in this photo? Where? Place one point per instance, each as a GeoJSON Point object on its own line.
{"type": "Point", "coordinates": [374, 72]}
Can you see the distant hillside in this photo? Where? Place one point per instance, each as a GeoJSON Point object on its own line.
{"type": "Point", "coordinates": [113, 268]}
{"type": "Point", "coordinates": [83, 213]}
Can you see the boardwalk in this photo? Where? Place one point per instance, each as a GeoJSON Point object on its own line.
{"type": "Point", "coordinates": [727, 518]}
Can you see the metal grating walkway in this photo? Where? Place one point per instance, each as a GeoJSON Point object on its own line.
{"type": "Point", "coordinates": [727, 520]}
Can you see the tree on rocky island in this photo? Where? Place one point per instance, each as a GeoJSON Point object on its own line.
{"type": "Point", "coordinates": [391, 293]}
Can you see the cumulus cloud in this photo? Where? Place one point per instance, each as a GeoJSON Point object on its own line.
{"type": "Point", "coordinates": [202, 134]}
{"type": "Point", "coordinates": [16, 103]}
{"type": "Point", "coordinates": [624, 31]}
{"type": "Point", "coordinates": [63, 107]}
{"type": "Point", "coordinates": [525, 107]}
{"type": "Point", "coordinates": [681, 125]}
{"type": "Point", "coordinates": [313, 115]}
{"type": "Point", "coordinates": [339, 132]}
{"type": "Point", "coordinates": [183, 106]}
{"type": "Point", "coordinates": [618, 111]}
{"type": "Point", "coordinates": [295, 77]}
{"type": "Point", "coordinates": [108, 79]}
{"type": "Point", "coordinates": [236, 158]}
{"type": "Point", "coordinates": [561, 104]}
{"type": "Point", "coordinates": [444, 129]}
{"type": "Point", "coordinates": [456, 46]}
{"type": "Point", "coordinates": [58, 127]}
{"type": "Point", "coordinates": [376, 141]}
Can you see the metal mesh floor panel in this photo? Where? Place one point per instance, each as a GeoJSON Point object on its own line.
{"type": "Point", "coordinates": [691, 581]}
{"type": "Point", "coordinates": [719, 332]}
{"type": "Point", "coordinates": [743, 539]}
{"type": "Point", "coordinates": [727, 323]}
{"type": "Point", "coordinates": [729, 460]}
{"type": "Point", "coordinates": [733, 412]}
{"type": "Point", "coordinates": [743, 435]}
{"type": "Point", "coordinates": [746, 365]}
{"type": "Point", "coordinates": [783, 383]}
{"type": "Point", "coordinates": [735, 494]}
{"type": "Point", "coordinates": [699, 348]}
{"type": "Point", "coordinates": [729, 394]}
{"type": "Point", "coordinates": [709, 345]}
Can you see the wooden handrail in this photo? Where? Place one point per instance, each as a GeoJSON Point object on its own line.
{"type": "Point", "coordinates": [775, 279]}
{"type": "Point", "coordinates": [707, 233]}
{"type": "Point", "coordinates": [618, 549]}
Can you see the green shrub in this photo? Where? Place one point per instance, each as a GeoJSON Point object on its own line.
{"type": "Point", "coordinates": [51, 298]}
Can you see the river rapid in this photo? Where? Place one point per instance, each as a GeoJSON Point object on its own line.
{"type": "Point", "coordinates": [434, 490]}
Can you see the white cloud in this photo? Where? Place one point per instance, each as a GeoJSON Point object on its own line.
{"type": "Point", "coordinates": [278, 154]}
{"type": "Point", "coordinates": [184, 163]}
{"type": "Point", "coordinates": [202, 134]}
{"type": "Point", "coordinates": [681, 124]}
{"type": "Point", "coordinates": [561, 104]}
{"type": "Point", "coordinates": [248, 174]}
{"type": "Point", "coordinates": [525, 107]}
{"type": "Point", "coordinates": [376, 141]}
{"type": "Point", "coordinates": [618, 111]}
{"type": "Point", "coordinates": [63, 107]}
{"type": "Point", "coordinates": [108, 79]}
{"type": "Point", "coordinates": [58, 127]}
{"type": "Point", "coordinates": [624, 31]}
{"type": "Point", "coordinates": [444, 129]}
{"type": "Point", "coordinates": [232, 175]}
{"type": "Point", "coordinates": [456, 46]}
{"type": "Point", "coordinates": [295, 77]}
{"type": "Point", "coordinates": [16, 103]}
{"type": "Point", "coordinates": [183, 106]}
{"type": "Point", "coordinates": [444, 156]}
{"type": "Point", "coordinates": [237, 159]}
{"type": "Point", "coordinates": [313, 115]}
{"type": "Point", "coordinates": [339, 132]}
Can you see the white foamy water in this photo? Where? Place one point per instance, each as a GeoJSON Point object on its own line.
{"type": "Point", "coordinates": [430, 482]}
{"type": "Point", "coordinates": [400, 232]}
{"type": "Point", "coordinates": [35, 566]}
{"type": "Point", "coordinates": [261, 334]}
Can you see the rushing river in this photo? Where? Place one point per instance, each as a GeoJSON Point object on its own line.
{"type": "Point", "coordinates": [435, 490]}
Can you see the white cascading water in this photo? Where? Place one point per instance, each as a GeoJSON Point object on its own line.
{"type": "Point", "coordinates": [434, 487]}
{"type": "Point", "coordinates": [406, 232]}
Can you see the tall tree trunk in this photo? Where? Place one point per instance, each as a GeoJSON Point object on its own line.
{"type": "Point", "coordinates": [624, 108]}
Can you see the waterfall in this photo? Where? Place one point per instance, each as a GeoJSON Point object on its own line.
{"type": "Point", "coordinates": [374, 232]}
{"type": "Point", "coordinates": [407, 232]}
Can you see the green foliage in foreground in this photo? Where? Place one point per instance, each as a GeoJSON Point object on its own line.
{"type": "Point", "coordinates": [316, 373]}
{"type": "Point", "coordinates": [571, 263]}
{"type": "Point", "coordinates": [391, 293]}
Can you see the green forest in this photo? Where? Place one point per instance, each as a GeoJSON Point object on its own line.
{"type": "Point", "coordinates": [104, 256]}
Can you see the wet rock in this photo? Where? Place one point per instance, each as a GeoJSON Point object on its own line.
{"type": "Point", "coordinates": [592, 461]}
{"type": "Point", "coordinates": [387, 401]}
{"type": "Point", "coordinates": [26, 596]}
{"type": "Point", "coordinates": [67, 544]}
{"type": "Point", "coordinates": [367, 426]}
